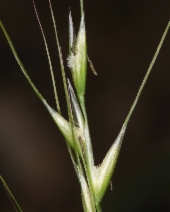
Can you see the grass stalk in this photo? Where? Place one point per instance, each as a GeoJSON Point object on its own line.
{"type": "Point", "coordinates": [147, 75]}
{"type": "Point", "coordinates": [93, 180]}
{"type": "Point", "coordinates": [11, 196]}
{"type": "Point", "coordinates": [49, 60]}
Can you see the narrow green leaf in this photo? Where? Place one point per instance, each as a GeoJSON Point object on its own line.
{"type": "Point", "coordinates": [72, 127]}
{"type": "Point", "coordinates": [49, 61]}
{"type": "Point", "coordinates": [61, 63]}
{"type": "Point", "coordinates": [147, 74]}
{"type": "Point", "coordinates": [10, 194]}
{"type": "Point", "coordinates": [63, 125]}
{"type": "Point", "coordinates": [102, 175]}
{"type": "Point", "coordinates": [20, 63]}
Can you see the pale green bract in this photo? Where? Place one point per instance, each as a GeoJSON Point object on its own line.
{"type": "Point", "coordinates": [93, 180]}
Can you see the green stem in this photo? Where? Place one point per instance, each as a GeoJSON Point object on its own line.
{"type": "Point", "coordinates": [89, 160]}
{"type": "Point", "coordinates": [147, 75]}
{"type": "Point", "coordinates": [20, 63]}
{"type": "Point", "coordinates": [49, 61]}
{"type": "Point", "coordinates": [10, 194]}
{"type": "Point", "coordinates": [66, 94]}
{"type": "Point", "coordinates": [61, 61]}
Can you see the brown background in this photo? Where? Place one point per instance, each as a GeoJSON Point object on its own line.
{"type": "Point", "coordinates": [122, 36]}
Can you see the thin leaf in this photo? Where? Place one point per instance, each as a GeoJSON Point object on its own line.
{"type": "Point", "coordinates": [147, 74]}
{"type": "Point", "coordinates": [20, 63]}
{"type": "Point", "coordinates": [60, 57]}
{"type": "Point", "coordinates": [49, 61]}
{"type": "Point", "coordinates": [63, 125]}
{"type": "Point", "coordinates": [102, 174]}
{"type": "Point", "coordinates": [73, 131]}
{"type": "Point", "coordinates": [11, 196]}
{"type": "Point", "coordinates": [62, 66]}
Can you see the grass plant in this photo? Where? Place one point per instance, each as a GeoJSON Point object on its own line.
{"type": "Point", "coordinates": [93, 180]}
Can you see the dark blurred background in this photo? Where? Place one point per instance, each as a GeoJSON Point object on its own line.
{"type": "Point", "coordinates": [122, 36]}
